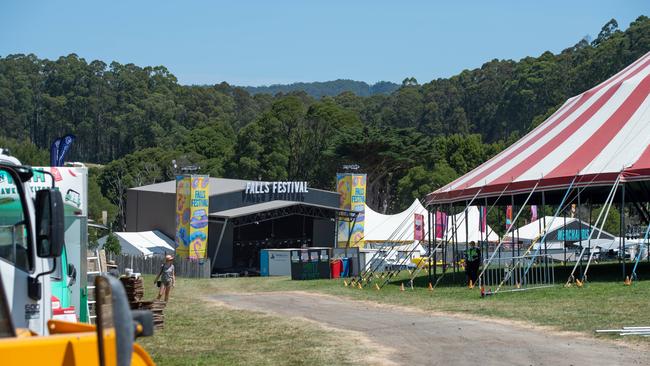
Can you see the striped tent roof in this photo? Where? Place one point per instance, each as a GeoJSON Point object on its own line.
{"type": "Point", "coordinates": [592, 138]}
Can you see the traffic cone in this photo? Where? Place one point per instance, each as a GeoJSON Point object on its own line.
{"type": "Point", "coordinates": [471, 284]}
{"type": "Point", "coordinates": [401, 287]}
{"type": "Point", "coordinates": [579, 283]}
{"type": "Point", "coordinates": [430, 287]}
{"type": "Point", "coordinates": [627, 281]}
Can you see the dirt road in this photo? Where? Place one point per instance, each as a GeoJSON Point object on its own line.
{"type": "Point", "coordinates": [417, 338]}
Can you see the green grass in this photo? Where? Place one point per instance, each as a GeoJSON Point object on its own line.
{"type": "Point", "coordinates": [198, 332]}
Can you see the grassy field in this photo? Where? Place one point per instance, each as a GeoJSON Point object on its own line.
{"type": "Point", "coordinates": [198, 332]}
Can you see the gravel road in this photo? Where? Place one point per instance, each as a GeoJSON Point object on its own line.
{"type": "Point", "coordinates": [411, 337]}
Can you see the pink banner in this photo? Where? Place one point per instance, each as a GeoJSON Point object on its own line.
{"type": "Point", "coordinates": [533, 213]}
{"type": "Point", "coordinates": [418, 223]}
{"type": "Point", "coordinates": [441, 224]}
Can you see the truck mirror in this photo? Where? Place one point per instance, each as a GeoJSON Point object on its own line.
{"type": "Point", "coordinates": [49, 223]}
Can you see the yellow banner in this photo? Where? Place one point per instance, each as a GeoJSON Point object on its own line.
{"type": "Point", "coordinates": [192, 208]}
{"type": "Point", "coordinates": [352, 188]}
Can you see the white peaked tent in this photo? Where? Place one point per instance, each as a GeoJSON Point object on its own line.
{"type": "Point", "coordinates": [380, 228]}
{"type": "Point", "coordinates": [473, 233]}
{"type": "Point", "coordinates": [145, 243]}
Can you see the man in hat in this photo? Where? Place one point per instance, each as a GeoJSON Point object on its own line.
{"type": "Point", "coordinates": [473, 258]}
{"type": "Point", "coordinates": [112, 269]}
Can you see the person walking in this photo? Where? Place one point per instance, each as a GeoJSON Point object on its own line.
{"type": "Point", "coordinates": [167, 278]}
{"type": "Point", "coordinates": [473, 258]}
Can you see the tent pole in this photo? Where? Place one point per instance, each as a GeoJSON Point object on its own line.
{"type": "Point", "coordinates": [435, 238]}
{"type": "Point", "coordinates": [564, 236]}
{"type": "Point", "coordinates": [590, 218]}
{"type": "Point", "coordinates": [512, 224]}
{"type": "Point", "coordinates": [622, 231]}
{"type": "Point", "coordinates": [484, 238]}
{"type": "Point", "coordinates": [454, 240]}
{"type": "Point", "coordinates": [429, 227]}
{"type": "Point", "coordinates": [543, 238]}
{"type": "Point", "coordinates": [467, 232]}
{"type": "Point", "coordinates": [579, 233]}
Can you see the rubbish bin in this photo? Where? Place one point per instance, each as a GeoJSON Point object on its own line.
{"type": "Point", "coordinates": [345, 264]}
{"type": "Point", "coordinates": [336, 268]}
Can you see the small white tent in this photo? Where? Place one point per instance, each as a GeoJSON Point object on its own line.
{"type": "Point", "coordinates": [145, 243]}
{"type": "Point", "coordinates": [400, 227]}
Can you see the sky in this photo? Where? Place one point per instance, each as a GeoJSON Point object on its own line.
{"type": "Point", "coordinates": [268, 42]}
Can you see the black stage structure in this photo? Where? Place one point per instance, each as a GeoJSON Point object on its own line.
{"type": "Point", "coordinates": [243, 219]}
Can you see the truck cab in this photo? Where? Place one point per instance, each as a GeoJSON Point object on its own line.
{"type": "Point", "coordinates": [31, 238]}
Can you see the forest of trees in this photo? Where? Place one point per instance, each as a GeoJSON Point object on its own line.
{"type": "Point", "coordinates": [135, 120]}
{"type": "Point", "coordinates": [319, 89]}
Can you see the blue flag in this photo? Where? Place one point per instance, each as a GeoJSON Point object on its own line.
{"type": "Point", "coordinates": [63, 148]}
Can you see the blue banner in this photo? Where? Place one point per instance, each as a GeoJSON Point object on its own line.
{"type": "Point", "coordinates": [63, 149]}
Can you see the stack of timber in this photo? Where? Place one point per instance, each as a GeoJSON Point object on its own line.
{"type": "Point", "coordinates": [135, 293]}
{"type": "Point", "coordinates": [134, 288]}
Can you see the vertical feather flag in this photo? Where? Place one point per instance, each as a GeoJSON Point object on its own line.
{"type": "Point", "coordinates": [533, 213]}
{"type": "Point", "coordinates": [482, 222]}
{"type": "Point", "coordinates": [66, 141]}
{"type": "Point", "coordinates": [441, 224]}
{"type": "Point", "coordinates": [508, 217]}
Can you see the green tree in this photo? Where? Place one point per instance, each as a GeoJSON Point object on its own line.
{"type": "Point", "coordinates": [112, 244]}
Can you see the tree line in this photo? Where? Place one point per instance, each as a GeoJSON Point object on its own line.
{"type": "Point", "coordinates": [135, 120]}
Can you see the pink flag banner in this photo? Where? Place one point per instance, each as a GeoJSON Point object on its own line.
{"type": "Point", "coordinates": [441, 224]}
{"type": "Point", "coordinates": [418, 227]}
{"type": "Point", "coordinates": [533, 213]}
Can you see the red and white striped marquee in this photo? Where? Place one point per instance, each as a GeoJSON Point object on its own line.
{"type": "Point", "coordinates": [592, 138]}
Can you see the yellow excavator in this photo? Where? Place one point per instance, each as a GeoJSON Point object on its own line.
{"type": "Point", "coordinates": [111, 342]}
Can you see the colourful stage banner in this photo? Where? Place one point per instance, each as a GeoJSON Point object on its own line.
{"type": "Point", "coordinates": [352, 188]}
{"type": "Point", "coordinates": [418, 227]}
{"type": "Point", "coordinates": [192, 208]}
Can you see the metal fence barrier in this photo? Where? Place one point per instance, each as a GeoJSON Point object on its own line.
{"type": "Point", "coordinates": [151, 265]}
{"type": "Point", "coordinates": [519, 272]}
